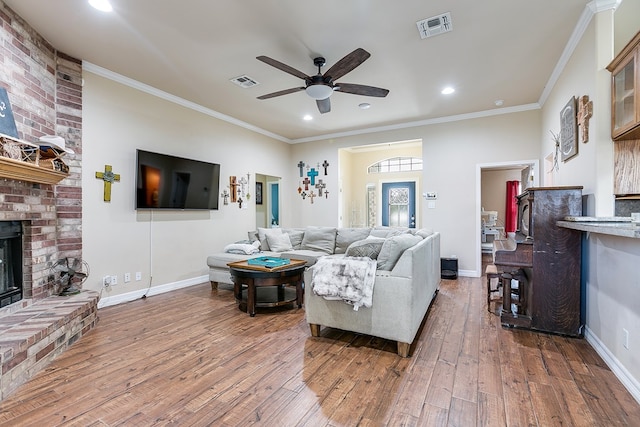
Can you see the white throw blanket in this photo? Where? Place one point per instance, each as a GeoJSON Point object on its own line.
{"type": "Point", "coordinates": [350, 279]}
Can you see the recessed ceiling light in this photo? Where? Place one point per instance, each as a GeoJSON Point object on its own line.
{"type": "Point", "coordinates": [448, 90]}
{"type": "Point", "coordinates": [364, 105]}
{"type": "Point", "coordinates": [101, 5]}
{"type": "Point", "coordinates": [307, 117]}
{"type": "Point", "coordinates": [499, 102]}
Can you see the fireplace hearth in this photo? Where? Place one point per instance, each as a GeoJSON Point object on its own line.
{"type": "Point", "coordinates": [10, 262]}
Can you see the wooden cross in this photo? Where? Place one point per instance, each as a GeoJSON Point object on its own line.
{"type": "Point", "coordinates": [300, 166]}
{"type": "Point", "coordinates": [108, 177]}
{"type": "Point", "coordinates": [325, 165]}
{"type": "Point", "coordinates": [306, 182]}
{"type": "Point", "coordinates": [311, 196]}
{"type": "Point", "coordinates": [585, 112]}
{"type": "Point", "coordinates": [312, 174]}
{"type": "Point", "coordinates": [320, 186]}
{"type": "Point", "coordinates": [233, 186]}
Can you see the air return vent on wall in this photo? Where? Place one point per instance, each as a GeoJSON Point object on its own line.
{"type": "Point", "coordinates": [435, 25]}
{"type": "Point", "coordinates": [244, 81]}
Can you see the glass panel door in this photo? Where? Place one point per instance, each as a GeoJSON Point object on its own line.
{"type": "Point", "coordinates": [398, 203]}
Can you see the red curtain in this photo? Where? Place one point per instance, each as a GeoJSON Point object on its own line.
{"type": "Point", "coordinates": [511, 208]}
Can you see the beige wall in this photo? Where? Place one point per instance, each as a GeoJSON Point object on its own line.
{"type": "Point", "coordinates": [494, 190]}
{"type": "Point", "coordinates": [355, 179]}
{"type": "Point", "coordinates": [170, 246]}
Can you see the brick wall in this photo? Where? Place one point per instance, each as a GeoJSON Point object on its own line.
{"type": "Point", "coordinates": [45, 91]}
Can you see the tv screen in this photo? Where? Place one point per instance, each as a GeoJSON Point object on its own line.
{"type": "Point", "coordinates": [170, 182]}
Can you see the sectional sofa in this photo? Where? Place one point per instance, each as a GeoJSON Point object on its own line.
{"type": "Point", "coordinates": [407, 274]}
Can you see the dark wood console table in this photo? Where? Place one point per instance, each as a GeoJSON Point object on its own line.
{"type": "Point", "coordinates": [251, 277]}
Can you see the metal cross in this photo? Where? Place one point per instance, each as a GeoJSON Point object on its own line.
{"type": "Point", "coordinates": [301, 165]}
{"type": "Point", "coordinates": [311, 196]}
{"type": "Point", "coordinates": [325, 165]}
{"type": "Point", "coordinates": [320, 186]}
{"type": "Point", "coordinates": [108, 177]}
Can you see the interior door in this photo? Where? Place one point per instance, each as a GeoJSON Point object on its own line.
{"type": "Point", "coordinates": [399, 204]}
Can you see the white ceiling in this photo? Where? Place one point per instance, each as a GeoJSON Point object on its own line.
{"type": "Point", "coordinates": [190, 49]}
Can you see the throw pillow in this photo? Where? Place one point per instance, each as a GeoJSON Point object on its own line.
{"type": "Point", "coordinates": [347, 236]}
{"type": "Point", "coordinates": [262, 236]}
{"type": "Point", "coordinates": [321, 239]}
{"type": "Point", "coordinates": [279, 242]}
{"type": "Point", "coordinates": [424, 233]}
{"type": "Point", "coordinates": [369, 247]}
{"type": "Point", "coordinates": [393, 248]}
{"type": "Point", "coordinates": [295, 236]}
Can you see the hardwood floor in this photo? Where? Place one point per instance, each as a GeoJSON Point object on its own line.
{"type": "Point", "coordinates": [191, 358]}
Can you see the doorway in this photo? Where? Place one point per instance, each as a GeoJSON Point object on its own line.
{"type": "Point", "coordinates": [491, 181]}
{"type": "Point", "coordinates": [399, 204]}
{"type": "Point", "coordinates": [267, 201]}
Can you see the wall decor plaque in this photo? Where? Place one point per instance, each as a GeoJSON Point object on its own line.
{"type": "Point", "coordinates": [568, 130]}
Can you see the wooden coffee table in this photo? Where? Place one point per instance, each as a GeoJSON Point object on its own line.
{"type": "Point", "coordinates": [255, 277]}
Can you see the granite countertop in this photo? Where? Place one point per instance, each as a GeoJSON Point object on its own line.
{"type": "Point", "coordinates": [614, 226]}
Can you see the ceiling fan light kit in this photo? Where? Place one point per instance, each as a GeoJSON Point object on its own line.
{"type": "Point", "coordinates": [321, 86]}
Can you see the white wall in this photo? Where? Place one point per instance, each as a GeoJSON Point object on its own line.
{"type": "Point", "coordinates": [610, 276]}
{"type": "Point", "coordinates": [494, 190]}
{"type": "Point", "coordinates": [170, 246]}
{"type": "Point", "coordinates": [450, 152]}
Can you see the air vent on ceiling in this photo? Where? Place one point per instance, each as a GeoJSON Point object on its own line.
{"type": "Point", "coordinates": [245, 81]}
{"type": "Point", "coordinates": [435, 25]}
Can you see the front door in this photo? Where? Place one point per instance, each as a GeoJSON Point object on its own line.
{"type": "Point", "coordinates": [399, 204]}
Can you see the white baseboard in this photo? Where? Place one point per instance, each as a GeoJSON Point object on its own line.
{"type": "Point", "coordinates": [468, 273]}
{"type": "Point", "coordinates": [630, 383]}
{"type": "Point", "coordinates": [154, 290]}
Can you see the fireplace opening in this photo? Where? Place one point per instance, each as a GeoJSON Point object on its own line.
{"type": "Point", "coordinates": [10, 262]}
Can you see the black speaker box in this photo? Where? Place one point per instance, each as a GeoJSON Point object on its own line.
{"type": "Point", "coordinates": [449, 268]}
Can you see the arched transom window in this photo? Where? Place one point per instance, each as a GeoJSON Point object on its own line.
{"type": "Point", "coordinates": [397, 164]}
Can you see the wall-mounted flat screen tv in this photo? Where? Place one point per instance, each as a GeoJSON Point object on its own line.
{"type": "Point", "coordinates": [169, 182]}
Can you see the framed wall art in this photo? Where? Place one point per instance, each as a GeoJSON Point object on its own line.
{"type": "Point", "coordinates": [568, 130]}
{"type": "Point", "coordinates": [258, 193]}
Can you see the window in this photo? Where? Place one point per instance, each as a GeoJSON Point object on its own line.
{"type": "Point", "coordinates": [397, 164]}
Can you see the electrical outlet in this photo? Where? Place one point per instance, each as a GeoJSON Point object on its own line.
{"type": "Point", "coordinates": [114, 280]}
{"type": "Point", "coordinates": [127, 277]}
{"type": "Point", "coordinates": [625, 338]}
{"type": "Point", "coordinates": [138, 275]}
{"type": "Point", "coordinates": [106, 281]}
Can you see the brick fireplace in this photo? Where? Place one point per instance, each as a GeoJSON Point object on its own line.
{"type": "Point", "coordinates": [45, 91]}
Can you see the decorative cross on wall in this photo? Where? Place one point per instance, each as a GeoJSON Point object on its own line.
{"type": "Point", "coordinates": [108, 177]}
{"type": "Point", "coordinates": [300, 166]}
{"type": "Point", "coordinates": [312, 195]}
{"type": "Point", "coordinates": [325, 165]}
{"type": "Point", "coordinates": [585, 111]}
{"type": "Point", "coordinates": [320, 186]}
{"type": "Point", "coordinates": [306, 182]}
{"type": "Point", "coordinates": [312, 174]}
{"type": "Point", "coordinates": [233, 186]}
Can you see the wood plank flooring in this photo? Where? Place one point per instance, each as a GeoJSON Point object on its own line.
{"type": "Point", "coordinates": [191, 358]}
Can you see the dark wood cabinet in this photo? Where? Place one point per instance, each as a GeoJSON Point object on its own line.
{"type": "Point", "coordinates": [552, 289]}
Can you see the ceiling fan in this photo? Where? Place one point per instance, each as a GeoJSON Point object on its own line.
{"type": "Point", "coordinates": [321, 86]}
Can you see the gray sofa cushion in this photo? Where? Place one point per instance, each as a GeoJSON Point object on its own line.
{"type": "Point", "coordinates": [295, 236]}
{"type": "Point", "coordinates": [393, 247]}
{"type": "Point", "coordinates": [279, 242]}
{"type": "Point", "coordinates": [346, 236]}
{"type": "Point", "coordinates": [321, 239]}
{"type": "Point", "coordinates": [369, 248]}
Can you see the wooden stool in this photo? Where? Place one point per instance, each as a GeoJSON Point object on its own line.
{"type": "Point", "coordinates": [492, 274]}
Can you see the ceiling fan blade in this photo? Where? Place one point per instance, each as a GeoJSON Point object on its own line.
{"type": "Point", "coordinates": [361, 90]}
{"type": "Point", "coordinates": [281, 92]}
{"type": "Point", "coordinates": [283, 67]}
{"type": "Point", "coordinates": [324, 105]}
{"type": "Point", "coordinates": [346, 64]}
